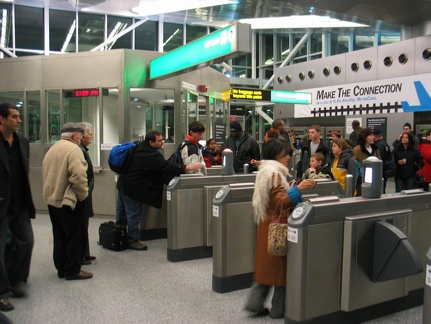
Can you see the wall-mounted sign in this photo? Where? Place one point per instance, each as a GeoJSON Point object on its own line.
{"type": "Point", "coordinates": [83, 93]}
{"type": "Point", "coordinates": [219, 46]}
{"type": "Point", "coordinates": [250, 94]}
{"type": "Point", "coordinates": [278, 96]}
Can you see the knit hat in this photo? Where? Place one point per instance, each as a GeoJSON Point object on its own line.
{"type": "Point", "coordinates": [235, 127]}
{"type": "Point", "coordinates": [71, 128]}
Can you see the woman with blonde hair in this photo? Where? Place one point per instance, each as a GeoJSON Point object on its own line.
{"type": "Point", "coordinates": [342, 155]}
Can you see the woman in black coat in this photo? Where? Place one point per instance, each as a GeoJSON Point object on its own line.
{"type": "Point", "coordinates": [408, 160]}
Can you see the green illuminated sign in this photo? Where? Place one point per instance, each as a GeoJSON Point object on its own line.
{"type": "Point", "coordinates": [291, 97]}
{"type": "Point", "coordinates": [216, 47]}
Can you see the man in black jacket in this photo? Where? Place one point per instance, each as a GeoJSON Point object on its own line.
{"type": "Point", "coordinates": [143, 184]}
{"type": "Point", "coordinates": [16, 205]}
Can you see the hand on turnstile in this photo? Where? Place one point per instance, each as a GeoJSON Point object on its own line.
{"type": "Point", "coordinates": [306, 184]}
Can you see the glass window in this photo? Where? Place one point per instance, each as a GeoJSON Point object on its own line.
{"type": "Point", "coordinates": [29, 28]}
{"type": "Point", "coordinates": [115, 26]}
{"type": "Point", "coordinates": [192, 101]}
{"type": "Point", "coordinates": [339, 43]}
{"type": "Point", "coordinates": [194, 32]}
{"type": "Point", "coordinates": [6, 39]}
{"type": "Point", "coordinates": [146, 36]}
{"type": "Point", "coordinates": [172, 36]}
{"type": "Point", "coordinates": [33, 116]}
{"type": "Point", "coordinates": [16, 99]}
{"type": "Point", "coordinates": [62, 31]}
{"type": "Point", "coordinates": [54, 121]}
{"type": "Point", "coordinates": [91, 31]}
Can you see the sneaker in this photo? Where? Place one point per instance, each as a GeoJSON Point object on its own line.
{"type": "Point", "coordinates": [136, 245]}
{"type": "Point", "coordinates": [6, 305]}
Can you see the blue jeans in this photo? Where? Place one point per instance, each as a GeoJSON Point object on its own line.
{"type": "Point", "coordinates": [129, 213]}
{"type": "Point", "coordinates": [405, 183]}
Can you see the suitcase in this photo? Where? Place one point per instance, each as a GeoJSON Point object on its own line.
{"type": "Point", "coordinates": [113, 236]}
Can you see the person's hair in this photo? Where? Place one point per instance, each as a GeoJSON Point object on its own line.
{"type": "Point", "coordinates": [355, 123]}
{"type": "Point", "coordinates": [319, 157]}
{"type": "Point", "coordinates": [5, 109]}
{"type": "Point", "coordinates": [316, 127]}
{"type": "Point", "coordinates": [151, 136]}
{"type": "Point", "coordinates": [278, 122]}
{"type": "Point", "coordinates": [336, 134]}
{"type": "Point", "coordinates": [273, 148]}
{"type": "Point", "coordinates": [87, 127]}
{"type": "Point", "coordinates": [410, 136]}
{"type": "Point", "coordinates": [210, 140]}
{"type": "Point", "coordinates": [272, 134]}
{"type": "Point", "coordinates": [363, 134]}
{"type": "Point", "coordinates": [196, 127]}
{"type": "Point", "coordinates": [341, 143]}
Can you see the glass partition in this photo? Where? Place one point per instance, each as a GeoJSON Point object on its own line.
{"type": "Point", "coordinates": [54, 121]}
{"type": "Point", "coordinates": [110, 116]}
{"type": "Point", "coordinates": [33, 116]}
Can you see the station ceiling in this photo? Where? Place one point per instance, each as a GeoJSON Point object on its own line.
{"type": "Point", "coordinates": [397, 12]}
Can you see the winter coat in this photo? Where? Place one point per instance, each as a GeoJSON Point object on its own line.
{"type": "Point", "coordinates": [244, 150]}
{"type": "Point", "coordinates": [425, 150]}
{"type": "Point", "coordinates": [322, 173]}
{"type": "Point", "coordinates": [340, 166]}
{"type": "Point", "coordinates": [304, 162]}
{"type": "Point", "coordinates": [413, 161]}
{"type": "Point", "coordinates": [145, 176]}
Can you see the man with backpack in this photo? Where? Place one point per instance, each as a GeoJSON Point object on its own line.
{"type": "Point", "coordinates": [142, 183]}
{"type": "Point", "coordinates": [386, 156]}
{"type": "Point", "coordinates": [191, 149]}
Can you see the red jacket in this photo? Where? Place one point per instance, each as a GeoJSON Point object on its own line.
{"type": "Point", "coordinates": [425, 149]}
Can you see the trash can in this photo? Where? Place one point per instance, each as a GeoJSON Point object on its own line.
{"type": "Point", "coordinates": [427, 290]}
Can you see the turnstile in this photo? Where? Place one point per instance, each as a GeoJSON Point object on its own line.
{"type": "Point", "coordinates": [188, 227]}
{"type": "Point", "coordinates": [234, 242]}
{"type": "Point", "coordinates": [348, 256]}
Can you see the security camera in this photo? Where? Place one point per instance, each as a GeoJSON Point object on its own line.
{"type": "Point", "coordinates": [226, 66]}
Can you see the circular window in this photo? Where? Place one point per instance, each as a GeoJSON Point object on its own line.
{"type": "Point", "coordinates": [387, 61]}
{"type": "Point", "coordinates": [326, 72]}
{"type": "Point", "coordinates": [337, 70]}
{"type": "Point", "coordinates": [280, 80]}
{"type": "Point", "coordinates": [311, 74]}
{"type": "Point", "coordinates": [289, 78]}
{"type": "Point", "coordinates": [301, 76]}
{"type": "Point", "coordinates": [403, 58]}
{"type": "Point", "coordinates": [426, 54]}
{"type": "Point", "coordinates": [355, 67]}
{"type": "Point", "coordinates": [367, 65]}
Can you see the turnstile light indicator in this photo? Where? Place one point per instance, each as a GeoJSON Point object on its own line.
{"type": "Point", "coordinates": [171, 182]}
{"type": "Point", "coordinates": [298, 212]}
{"type": "Point", "coordinates": [219, 194]}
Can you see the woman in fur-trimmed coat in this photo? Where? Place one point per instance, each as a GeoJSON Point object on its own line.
{"type": "Point", "coordinates": [273, 197]}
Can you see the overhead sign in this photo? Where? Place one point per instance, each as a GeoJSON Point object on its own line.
{"type": "Point", "coordinates": [218, 46]}
{"type": "Point", "coordinates": [278, 96]}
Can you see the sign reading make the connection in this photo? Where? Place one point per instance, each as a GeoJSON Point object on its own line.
{"type": "Point", "coordinates": [219, 46]}
{"type": "Point", "coordinates": [278, 96]}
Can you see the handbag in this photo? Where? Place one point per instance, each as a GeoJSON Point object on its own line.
{"type": "Point", "coordinates": [113, 236]}
{"type": "Point", "coordinates": [277, 236]}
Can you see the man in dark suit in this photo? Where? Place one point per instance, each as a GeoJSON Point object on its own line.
{"type": "Point", "coordinates": [16, 206]}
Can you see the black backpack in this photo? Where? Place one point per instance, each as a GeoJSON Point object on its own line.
{"type": "Point", "coordinates": [176, 156]}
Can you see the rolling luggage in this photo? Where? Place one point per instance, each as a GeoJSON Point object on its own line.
{"type": "Point", "coordinates": [113, 236]}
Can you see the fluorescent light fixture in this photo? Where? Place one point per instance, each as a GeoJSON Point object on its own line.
{"type": "Point", "coordinates": [294, 22]}
{"type": "Point", "coordinates": [151, 7]}
{"type": "Point", "coordinates": [68, 37]}
{"type": "Point", "coordinates": [4, 23]}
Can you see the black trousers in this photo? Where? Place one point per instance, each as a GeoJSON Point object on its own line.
{"type": "Point", "coordinates": [67, 225]}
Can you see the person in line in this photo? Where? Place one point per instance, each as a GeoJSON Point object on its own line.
{"type": "Point", "coordinates": [363, 150]}
{"type": "Point", "coordinates": [211, 153]}
{"type": "Point", "coordinates": [16, 206]}
{"type": "Point", "coordinates": [334, 135]}
{"type": "Point", "coordinates": [353, 137]}
{"type": "Point", "coordinates": [280, 127]}
{"type": "Point", "coordinates": [192, 154]}
{"type": "Point", "coordinates": [65, 188]}
{"type": "Point", "coordinates": [318, 169]}
{"type": "Point", "coordinates": [143, 184]}
{"type": "Point", "coordinates": [308, 148]}
{"type": "Point", "coordinates": [425, 150]}
{"type": "Point", "coordinates": [243, 146]}
{"type": "Point", "coordinates": [86, 140]}
{"type": "Point", "coordinates": [340, 165]}
{"type": "Point", "coordinates": [408, 160]}
{"type": "Point", "coordinates": [407, 128]}
{"type": "Point", "coordinates": [386, 156]}
{"type": "Point", "coordinates": [270, 135]}
{"type": "Point", "coordinates": [273, 197]}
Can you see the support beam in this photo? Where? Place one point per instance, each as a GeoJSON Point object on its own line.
{"type": "Point", "coordinates": [6, 51]}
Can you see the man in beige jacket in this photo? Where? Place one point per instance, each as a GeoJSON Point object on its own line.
{"type": "Point", "coordinates": [64, 171]}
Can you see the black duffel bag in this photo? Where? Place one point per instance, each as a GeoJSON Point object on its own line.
{"type": "Point", "coordinates": [113, 236]}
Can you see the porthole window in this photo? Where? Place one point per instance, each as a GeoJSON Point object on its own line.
{"type": "Point", "coordinates": [367, 65]}
{"type": "Point", "coordinates": [301, 76]}
{"type": "Point", "coordinates": [426, 54]}
{"type": "Point", "coordinates": [326, 72]}
{"type": "Point", "coordinates": [387, 61]}
{"type": "Point", "coordinates": [288, 78]}
{"type": "Point", "coordinates": [403, 58]}
{"type": "Point", "coordinates": [337, 70]}
{"type": "Point", "coordinates": [311, 74]}
{"type": "Point", "coordinates": [355, 67]}
{"type": "Point", "coordinates": [280, 80]}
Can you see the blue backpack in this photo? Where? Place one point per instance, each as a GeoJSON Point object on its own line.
{"type": "Point", "coordinates": [121, 156]}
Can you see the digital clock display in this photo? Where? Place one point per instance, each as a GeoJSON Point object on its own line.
{"type": "Point", "coordinates": [85, 93]}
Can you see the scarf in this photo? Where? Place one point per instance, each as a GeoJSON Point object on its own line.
{"type": "Point", "coordinates": [269, 175]}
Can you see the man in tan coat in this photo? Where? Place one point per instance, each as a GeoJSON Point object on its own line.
{"type": "Point", "coordinates": [64, 171]}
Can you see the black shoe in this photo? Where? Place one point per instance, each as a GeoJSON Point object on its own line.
{"type": "Point", "coordinates": [85, 262]}
{"type": "Point", "coordinates": [6, 305]}
{"type": "Point", "coordinates": [90, 257]}
{"type": "Point", "coordinates": [16, 292]}
{"type": "Point", "coordinates": [81, 275]}
{"type": "Point", "coordinates": [60, 275]}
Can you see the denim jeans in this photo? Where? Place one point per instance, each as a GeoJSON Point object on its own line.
{"type": "Point", "coordinates": [129, 213]}
{"type": "Point", "coordinates": [405, 183]}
